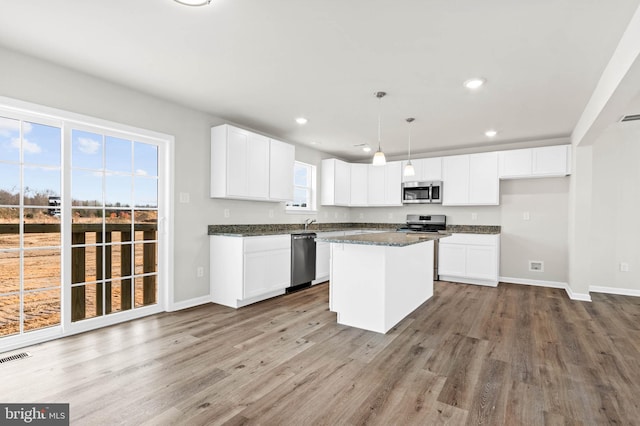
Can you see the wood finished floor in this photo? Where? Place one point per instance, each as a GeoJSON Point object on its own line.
{"type": "Point", "coordinates": [513, 355]}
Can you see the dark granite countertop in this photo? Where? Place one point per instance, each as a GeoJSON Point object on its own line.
{"type": "Point", "coordinates": [392, 239]}
{"type": "Point", "coordinates": [280, 229]}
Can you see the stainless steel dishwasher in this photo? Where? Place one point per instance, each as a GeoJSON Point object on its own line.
{"type": "Point", "coordinates": [303, 260]}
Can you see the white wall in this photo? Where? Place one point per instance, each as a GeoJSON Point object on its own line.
{"type": "Point", "coordinates": [486, 215]}
{"type": "Point", "coordinates": [615, 228]}
{"type": "Point", "coordinates": [543, 237]}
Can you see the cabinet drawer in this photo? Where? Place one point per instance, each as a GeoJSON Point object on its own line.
{"type": "Point", "coordinates": [475, 239]}
{"type": "Point", "coordinates": [266, 243]}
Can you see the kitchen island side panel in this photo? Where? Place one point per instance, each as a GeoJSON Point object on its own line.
{"type": "Point", "coordinates": [374, 287]}
{"type": "Point", "coordinates": [409, 280]}
{"type": "Point", "coordinates": [357, 290]}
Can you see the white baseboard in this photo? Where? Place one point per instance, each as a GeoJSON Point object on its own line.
{"type": "Point", "coordinates": [585, 297]}
{"type": "Point", "coordinates": [487, 283]}
{"type": "Point", "coordinates": [615, 290]}
{"type": "Point", "coordinates": [185, 304]}
{"type": "Point", "coordinates": [537, 283]}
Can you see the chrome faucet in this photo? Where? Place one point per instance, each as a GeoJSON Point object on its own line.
{"type": "Point", "coordinates": [308, 222]}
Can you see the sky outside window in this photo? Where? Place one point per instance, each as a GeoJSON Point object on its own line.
{"type": "Point", "coordinates": [41, 146]}
{"type": "Point", "coordinates": [122, 159]}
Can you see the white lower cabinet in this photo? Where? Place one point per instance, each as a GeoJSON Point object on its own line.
{"type": "Point", "coordinates": [322, 262]}
{"type": "Point", "coordinates": [323, 256]}
{"type": "Point", "coordinates": [470, 258]}
{"type": "Point", "coordinates": [245, 270]}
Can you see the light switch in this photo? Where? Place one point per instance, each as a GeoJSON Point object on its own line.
{"type": "Point", "coordinates": [526, 216]}
{"type": "Point", "coordinates": [184, 197]}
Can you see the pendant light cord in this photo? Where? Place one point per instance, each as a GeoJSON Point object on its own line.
{"type": "Point", "coordinates": [379, 118]}
{"type": "Point", "coordinates": [409, 120]}
{"type": "Point", "coordinates": [409, 152]}
{"type": "Point", "coordinates": [380, 95]}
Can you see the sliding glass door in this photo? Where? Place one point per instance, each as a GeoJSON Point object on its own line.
{"type": "Point", "coordinates": [80, 208]}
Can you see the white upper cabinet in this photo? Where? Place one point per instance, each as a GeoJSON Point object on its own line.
{"type": "Point", "coordinates": [335, 183]}
{"type": "Point", "coordinates": [484, 185]}
{"type": "Point", "coordinates": [471, 180]}
{"type": "Point", "coordinates": [427, 169]}
{"type": "Point", "coordinates": [393, 184]}
{"type": "Point", "coordinates": [244, 167]}
{"type": "Point", "coordinates": [551, 161]}
{"type": "Point", "coordinates": [514, 164]}
{"type": "Point", "coordinates": [385, 185]}
{"type": "Point", "coordinates": [359, 184]}
{"type": "Point", "coordinates": [282, 159]}
{"type": "Point", "coordinates": [377, 183]}
{"type": "Point", "coordinates": [455, 176]}
{"type": "Point", "coordinates": [547, 161]}
{"type": "Point", "coordinates": [345, 184]}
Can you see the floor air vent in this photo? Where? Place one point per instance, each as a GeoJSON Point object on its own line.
{"type": "Point", "coordinates": [632, 117]}
{"type": "Point", "coordinates": [15, 357]}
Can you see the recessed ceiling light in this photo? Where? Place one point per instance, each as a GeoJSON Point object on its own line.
{"type": "Point", "coordinates": [193, 2]}
{"type": "Point", "coordinates": [301, 120]}
{"type": "Point", "coordinates": [474, 83]}
{"type": "Point", "coordinates": [366, 148]}
{"type": "Point", "coordinates": [314, 143]}
{"type": "Point", "coordinates": [490, 133]}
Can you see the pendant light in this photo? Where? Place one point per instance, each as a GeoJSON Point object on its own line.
{"type": "Point", "coordinates": [408, 168]}
{"type": "Point", "coordinates": [379, 158]}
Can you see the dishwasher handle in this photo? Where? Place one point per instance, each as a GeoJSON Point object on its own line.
{"type": "Point", "coordinates": [303, 237]}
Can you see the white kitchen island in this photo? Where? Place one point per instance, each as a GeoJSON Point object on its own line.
{"type": "Point", "coordinates": [376, 280]}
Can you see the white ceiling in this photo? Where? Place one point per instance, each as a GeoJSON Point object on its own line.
{"type": "Point", "coordinates": [262, 63]}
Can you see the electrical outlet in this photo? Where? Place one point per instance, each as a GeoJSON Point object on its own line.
{"type": "Point", "coordinates": [184, 197]}
{"type": "Point", "coordinates": [271, 213]}
{"type": "Point", "coordinates": [390, 216]}
{"type": "Point", "coordinates": [361, 215]}
{"type": "Point", "coordinates": [227, 213]}
{"type": "Point", "coordinates": [536, 265]}
{"type": "Point", "coordinates": [336, 215]}
{"type": "Point", "coordinates": [474, 216]}
{"type": "Point", "coordinates": [526, 216]}
{"type": "Point", "coordinates": [624, 267]}
{"type": "Point", "coordinates": [200, 271]}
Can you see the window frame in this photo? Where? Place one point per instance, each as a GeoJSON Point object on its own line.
{"type": "Point", "coordinates": [311, 189]}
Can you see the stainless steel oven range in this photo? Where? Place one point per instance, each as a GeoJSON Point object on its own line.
{"type": "Point", "coordinates": [427, 223]}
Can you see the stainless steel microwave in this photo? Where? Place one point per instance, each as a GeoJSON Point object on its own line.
{"type": "Point", "coordinates": [422, 192]}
